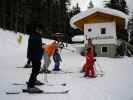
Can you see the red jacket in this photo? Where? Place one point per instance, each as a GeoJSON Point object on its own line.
{"type": "Point", "coordinates": [89, 57]}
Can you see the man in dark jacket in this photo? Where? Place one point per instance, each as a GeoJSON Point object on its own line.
{"type": "Point", "coordinates": [35, 53]}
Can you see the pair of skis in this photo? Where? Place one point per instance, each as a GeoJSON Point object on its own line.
{"type": "Point", "coordinates": [42, 92]}
{"type": "Point", "coordinates": [61, 72]}
{"type": "Point", "coordinates": [47, 84]}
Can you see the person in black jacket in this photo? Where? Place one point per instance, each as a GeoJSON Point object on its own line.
{"type": "Point", "coordinates": [35, 53]}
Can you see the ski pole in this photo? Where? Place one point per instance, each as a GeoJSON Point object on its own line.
{"type": "Point", "coordinates": [96, 71]}
{"type": "Point", "coordinates": [69, 50]}
{"type": "Point", "coordinates": [100, 68]}
{"type": "Point", "coordinates": [62, 64]}
{"type": "Point", "coordinates": [45, 75]}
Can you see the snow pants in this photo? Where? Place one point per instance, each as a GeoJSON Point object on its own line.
{"type": "Point", "coordinates": [47, 62]}
{"type": "Point", "coordinates": [28, 61]}
{"type": "Point", "coordinates": [56, 66]}
{"type": "Point", "coordinates": [36, 65]}
{"type": "Point", "coordinates": [89, 70]}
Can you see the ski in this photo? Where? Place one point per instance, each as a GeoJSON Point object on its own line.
{"type": "Point", "coordinates": [18, 84]}
{"type": "Point", "coordinates": [43, 92]}
{"type": "Point", "coordinates": [54, 92]}
{"type": "Point", "coordinates": [101, 75]}
{"type": "Point", "coordinates": [70, 50]}
{"type": "Point", "coordinates": [47, 92]}
{"type": "Point", "coordinates": [60, 72]}
{"type": "Point", "coordinates": [47, 84]}
{"type": "Point", "coordinates": [19, 67]}
{"type": "Point", "coordinates": [12, 92]}
{"type": "Point", "coordinates": [97, 75]}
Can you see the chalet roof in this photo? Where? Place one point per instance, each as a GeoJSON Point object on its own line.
{"type": "Point", "coordinates": [91, 11]}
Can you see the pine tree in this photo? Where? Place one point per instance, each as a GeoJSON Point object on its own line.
{"type": "Point", "coordinates": [26, 13]}
{"type": "Point", "coordinates": [118, 5]}
{"type": "Point", "coordinates": [71, 32]}
{"type": "Point", "coordinates": [91, 5]}
{"type": "Point", "coordinates": [75, 10]}
{"type": "Point", "coordinates": [20, 15]}
{"type": "Point", "coordinates": [121, 6]}
{"type": "Point", "coordinates": [130, 28]}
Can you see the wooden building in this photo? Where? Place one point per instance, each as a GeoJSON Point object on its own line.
{"type": "Point", "coordinates": [102, 25]}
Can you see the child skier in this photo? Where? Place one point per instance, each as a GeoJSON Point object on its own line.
{"type": "Point", "coordinates": [88, 45]}
{"type": "Point", "coordinates": [57, 59]}
{"type": "Point", "coordinates": [48, 52]}
{"type": "Point", "coordinates": [89, 66]}
{"type": "Point", "coordinates": [35, 55]}
{"type": "Point", "coordinates": [47, 60]}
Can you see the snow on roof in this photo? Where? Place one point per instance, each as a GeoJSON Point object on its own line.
{"type": "Point", "coordinates": [94, 10]}
{"type": "Point", "coordinates": [78, 38]}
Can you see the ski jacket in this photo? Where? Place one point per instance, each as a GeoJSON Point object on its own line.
{"type": "Point", "coordinates": [50, 49]}
{"type": "Point", "coordinates": [89, 58]}
{"type": "Point", "coordinates": [35, 51]}
{"type": "Point", "coordinates": [90, 45]}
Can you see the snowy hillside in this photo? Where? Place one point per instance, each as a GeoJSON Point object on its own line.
{"type": "Point", "coordinates": [77, 38]}
{"type": "Point", "coordinates": [116, 84]}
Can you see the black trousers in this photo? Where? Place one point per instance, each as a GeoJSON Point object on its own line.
{"type": "Point", "coordinates": [28, 61]}
{"type": "Point", "coordinates": [36, 65]}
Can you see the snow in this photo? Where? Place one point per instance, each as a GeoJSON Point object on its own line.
{"type": "Point", "coordinates": [78, 38]}
{"type": "Point", "coordinates": [116, 84]}
{"type": "Point", "coordinates": [94, 10]}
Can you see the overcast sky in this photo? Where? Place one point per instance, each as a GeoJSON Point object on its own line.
{"type": "Point", "coordinates": [98, 3]}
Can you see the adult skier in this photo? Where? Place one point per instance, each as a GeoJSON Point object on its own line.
{"type": "Point", "coordinates": [35, 53]}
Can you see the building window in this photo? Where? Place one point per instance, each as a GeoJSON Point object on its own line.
{"type": "Point", "coordinates": [104, 49]}
{"type": "Point", "coordinates": [89, 30]}
{"type": "Point", "coordinates": [103, 30]}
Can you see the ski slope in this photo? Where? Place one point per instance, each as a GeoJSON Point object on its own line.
{"type": "Point", "coordinates": [116, 84]}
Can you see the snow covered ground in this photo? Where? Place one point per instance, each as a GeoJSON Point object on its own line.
{"type": "Point", "coordinates": [78, 38]}
{"type": "Point", "coordinates": [116, 84]}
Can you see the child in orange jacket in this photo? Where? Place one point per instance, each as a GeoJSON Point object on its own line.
{"type": "Point", "coordinates": [51, 48]}
{"type": "Point", "coordinates": [48, 52]}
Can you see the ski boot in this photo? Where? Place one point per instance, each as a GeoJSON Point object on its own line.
{"type": "Point", "coordinates": [28, 66]}
{"type": "Point", "coordinates": [33, 90]}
